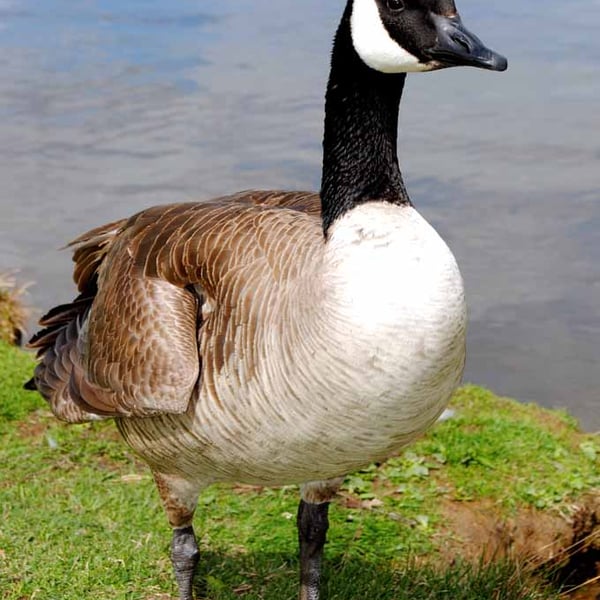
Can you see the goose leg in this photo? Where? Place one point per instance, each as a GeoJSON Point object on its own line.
{"type": "Point", "coordinates": [185, 556]}
{"type": "Point", "coordinates": [312, 533]}
{"type": "Point", "coordinates": [180, 498]}
{"type": "Point", "coordinates": [313, 524]}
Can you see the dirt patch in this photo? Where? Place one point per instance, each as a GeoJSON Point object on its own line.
{"type": "Point", "coordinates": [35, 425]}
{"type": "Point", "coordinates": [475, 529]}
{"type": "Point", "coordinates": [588, 592]}
{"type": "Point", "coordinates": [566, 545]}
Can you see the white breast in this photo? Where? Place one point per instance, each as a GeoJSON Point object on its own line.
{"type": "Point", "coordinates": [388, 268]}
{"type": "Point", "coordinates": [401, 317]}
{"type": "Point", "coordinates": [382, 354]}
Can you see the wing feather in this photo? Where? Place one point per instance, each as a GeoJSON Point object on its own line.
{"type": "Point", "coordinates": [129, 344]}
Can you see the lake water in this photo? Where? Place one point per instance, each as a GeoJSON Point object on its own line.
{"type": "Point", "coordinates": [109, 107]}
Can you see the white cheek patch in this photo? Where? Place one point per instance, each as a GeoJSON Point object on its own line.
{"type": "Point", "coordinates": [374, 44]}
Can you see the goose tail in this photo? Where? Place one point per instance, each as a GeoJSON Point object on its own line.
{"type": "Point", "coordinates": [60, 343]}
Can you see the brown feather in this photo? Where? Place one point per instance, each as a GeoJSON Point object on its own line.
{"type": "Point", "coordinates": [131, 344]}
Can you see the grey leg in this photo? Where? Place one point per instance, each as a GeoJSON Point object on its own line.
{"type": "Point", "coordinates": [179, 498]}
{"type": "Point", "coordinates": [312, 532]}
{"type": "Point", "coordinates": [184, 555]}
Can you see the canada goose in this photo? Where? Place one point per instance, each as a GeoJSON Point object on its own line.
{"type": "Point", "coordinates": [277, 337]}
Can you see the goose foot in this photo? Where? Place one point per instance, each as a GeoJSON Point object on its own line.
{"type": "Point", "coordinates": [184, 556]}
{"type": "Point", "coordinates": [312, 532]}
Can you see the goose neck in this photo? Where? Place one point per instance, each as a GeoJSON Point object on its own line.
{"type": "Point", "coordinates": [360, 162]}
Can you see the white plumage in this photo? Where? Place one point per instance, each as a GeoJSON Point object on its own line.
{"type": "Point", "coordinates": [376, 47]}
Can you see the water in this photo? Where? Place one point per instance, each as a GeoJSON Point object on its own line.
{"type": "Point", "coordinates": [109, 107]}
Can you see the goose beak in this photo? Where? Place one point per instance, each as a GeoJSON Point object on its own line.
{"type": "Point", "coordinates": [457, 46]}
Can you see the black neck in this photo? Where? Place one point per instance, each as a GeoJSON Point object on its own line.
{"type": "Point", "coordinates": [360, 161]}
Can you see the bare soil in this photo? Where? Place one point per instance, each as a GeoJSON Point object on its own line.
{"type": "Point", "coordinates": [566, 545]}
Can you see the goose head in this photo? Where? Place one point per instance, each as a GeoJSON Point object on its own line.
{"type": "Point", "coordinates": [402, 36]}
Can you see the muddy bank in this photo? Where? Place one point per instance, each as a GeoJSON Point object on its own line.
{"type": "Point", "coordinates": [565, 543]}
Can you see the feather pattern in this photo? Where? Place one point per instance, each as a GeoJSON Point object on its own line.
{"type": "Point", "coordinates": [109, 353]}
{"type": "Point", "coordinates": [306, 374]}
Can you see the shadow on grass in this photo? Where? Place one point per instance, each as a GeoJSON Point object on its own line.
{"type": "Point", "coordinates": [263, 576]}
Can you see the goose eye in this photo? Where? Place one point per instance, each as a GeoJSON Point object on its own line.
{"type": "Point", "coordinates": [395, 5]}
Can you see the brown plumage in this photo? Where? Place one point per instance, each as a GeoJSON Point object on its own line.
{"type": "Point", "coordinates": [127, 346]}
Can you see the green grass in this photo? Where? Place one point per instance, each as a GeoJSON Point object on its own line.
{"type": "Point", "coordinates": [497, 449]}
{"type": "Point", "coordinates": [80, 517]}
{"type": "Point", "coordinates": [16, 367]}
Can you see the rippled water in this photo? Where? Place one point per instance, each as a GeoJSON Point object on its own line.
{"type": "Point", "coordinates": [108, 107]}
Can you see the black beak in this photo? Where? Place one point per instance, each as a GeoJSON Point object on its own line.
{"type": "Point", "coordinates": [457, 46]}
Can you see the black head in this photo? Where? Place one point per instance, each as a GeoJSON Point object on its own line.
{"type": "Point", "coordinates": [399, 36]}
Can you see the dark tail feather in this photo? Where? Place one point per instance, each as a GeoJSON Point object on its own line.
{"type": "Point", "coordinates": [30, 385]}
{"type": "Point", "coordinates": [59, 317]}
{"type": "Point", "coordinates": [59, 356]}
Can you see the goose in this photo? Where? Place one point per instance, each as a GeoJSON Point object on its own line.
{"type": "Point", "coordinates": [271, 337]}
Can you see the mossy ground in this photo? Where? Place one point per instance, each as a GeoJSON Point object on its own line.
{"type": "Point", "coordinates": [81, 517]}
